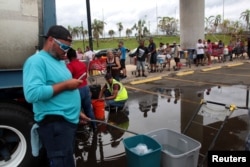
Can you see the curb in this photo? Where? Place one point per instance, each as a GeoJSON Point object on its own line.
{"type": "Point", "coordinates": [145, 80]}
{"type": "Point", "coordinates": [236, 64]}
{"type": "Point", "coordinates": [211, 68]}
{"type": "Point", "coordinates": [184, 73]}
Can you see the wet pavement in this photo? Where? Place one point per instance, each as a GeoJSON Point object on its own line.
{"type": "Point", "coordinates": [171, 102]}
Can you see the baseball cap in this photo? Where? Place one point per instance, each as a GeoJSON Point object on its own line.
{"type": "Point", "coordinates": [59, 32]}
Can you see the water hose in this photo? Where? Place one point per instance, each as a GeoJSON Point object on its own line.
{"type": "Point", "coordinates": [103, 122]}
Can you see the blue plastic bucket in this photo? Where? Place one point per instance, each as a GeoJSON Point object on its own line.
{"type": "Point", "coordinates": [151, 159]}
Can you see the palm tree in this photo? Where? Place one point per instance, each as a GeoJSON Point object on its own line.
{"type": "Point", "coordinates": [75, 33]}
{"type": "Point", "coordinates": [120, 28]}
{"type": "Point", "coordinates": [225, 26]}
{"type": "Point", "coordinates": [208, 23]}
{"type": "Point", "coordinates": [85, 32]}
{"type": "Point", "coordinates": [97, 28]}
{"type": "Point", "coordinates": [216, 22]}
{"type": "Point", "coordinates": [70, 29]}
{"type": "Point", "coordinates": [246, 16]}
{"type": "Point", "coordinates": [128, 32]}
{"type": "Point", "coordinates": [139, 28]}
{"type": "Point", "coordinates": [111, 33]}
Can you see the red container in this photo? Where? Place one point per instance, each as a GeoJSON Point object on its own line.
{"type": "Point", "coordinates": [99, 109]}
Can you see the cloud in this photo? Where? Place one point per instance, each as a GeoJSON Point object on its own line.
{"type": "Point", "coordinates": [128, 12]}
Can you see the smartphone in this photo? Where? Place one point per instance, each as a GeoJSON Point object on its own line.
{"type": "Point", "coordinates": [82, 76]}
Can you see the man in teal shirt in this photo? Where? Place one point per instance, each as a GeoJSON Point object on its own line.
{"type": "Point", "coordinates": [49, 86]}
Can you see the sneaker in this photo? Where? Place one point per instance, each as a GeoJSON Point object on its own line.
{"type": "Point", "coordinates": [144, 75]}
{"type": "Point", "coordinates": [137, 76]}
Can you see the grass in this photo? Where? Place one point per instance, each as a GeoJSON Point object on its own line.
{"type": "Point", "coordinates": [132, 43]}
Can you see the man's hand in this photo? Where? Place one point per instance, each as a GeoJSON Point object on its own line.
{"type": "Point", "coordinates": [66, 85]}
{"type": "Point", "coordinates": [73, 83]}
{"type": "Point", "coordinates": [83, 118]}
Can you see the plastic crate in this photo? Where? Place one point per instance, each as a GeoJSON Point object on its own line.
{"type": "Point", "coordinates": [178, 150]}
{"type": "Point", "coordinates": [151, 159]}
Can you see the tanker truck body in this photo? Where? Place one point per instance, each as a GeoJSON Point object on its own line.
{"type": "Point", "coordinates": [22, 22]}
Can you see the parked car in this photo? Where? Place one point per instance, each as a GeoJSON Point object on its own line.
{"type": "Point", "coordinates": [103, 52]}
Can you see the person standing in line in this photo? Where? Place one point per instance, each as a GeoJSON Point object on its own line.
{"type": "Point", "coordinates": [176, 55]}
{"type": "Point", "coordinates": [225, 53]}
{"type": "Point", "coordinates": [248, 47]}
{"type": "Point", "coordinates": [89, 54]}
{"type": "Point", "coordinates": [230, 49]}
{"type": "Point", "coordinates": [122, 55]}
{"type": "Point", "coordinates": [141, 55]}
{"type": "Point", "coordinates": [153, 55]}
{"type": "Point", "coordinates": [78, 69]}
{"type": "Point", "coordinates": [54, 94]}
{"type": "Point", "coordinates": [200, 52]}
{"type": "Point", "coordinates": [168, 55]}
{"type": "Point", "coordinates": [113, 65]}
{"type": "Point", "coordinates": [79, 54]}
{"type": "Point", "coordinates": [209, 51]}
{"type": "Point", "coordinates": [221, 48]}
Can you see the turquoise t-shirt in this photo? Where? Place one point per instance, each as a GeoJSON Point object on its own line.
{"type": "Point", "coordinates": [40, 72]}
{"type": "Point", "coordinates": [123, 53]}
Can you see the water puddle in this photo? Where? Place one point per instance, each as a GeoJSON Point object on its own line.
{"type": "Point", "coordinates": [170, 108]}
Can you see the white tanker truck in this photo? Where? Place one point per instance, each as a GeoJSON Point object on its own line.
{"type": "Point", "coordinates": [21, 24]}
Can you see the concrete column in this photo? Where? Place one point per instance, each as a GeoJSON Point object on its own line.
{"type": "Point", "coordinates": [192, 15]}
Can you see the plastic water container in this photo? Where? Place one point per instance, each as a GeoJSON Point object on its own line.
{"type": "Point", "coordinates": [150, 159]}
{"type": "Point", "coordinates": [178, 150]}
{"type": "Point", "coordinates": [98, 108]}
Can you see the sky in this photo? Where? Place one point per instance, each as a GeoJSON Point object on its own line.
{"type": "Point", "coordinates": [128, 12]}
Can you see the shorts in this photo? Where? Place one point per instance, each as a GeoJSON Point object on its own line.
{"type": "Point", "coordinates": [140, 65]}
{"type": "Point", "coordinates": [153, 59]}
{"type": "Point", "coordinates": [122, 62]}
{"type": "Point", "coordinates": [177, 59]}
{"type": "Point", "coordinates": [200, 56]}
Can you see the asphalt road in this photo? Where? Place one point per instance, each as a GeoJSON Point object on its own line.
{"type": "Point", "coordinates": [194, 101]}
{"type": "Point", "coordinates": [218, 87]}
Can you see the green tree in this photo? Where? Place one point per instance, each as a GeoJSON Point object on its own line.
{"type": "Point", "coordinates": [246, 16]}
{"type": "Point", "coordinates": [97, 28]}
{"type": "Point", "coordinates": [168, 25]}
{"type": "Point", "coordinates": [111, 33]}
{"type": "Point", "coordinates": [208, 23]}
{"type": "Point", "coordinates": [225, 26]}
{"type": "Point", "coordinates": [216, 22]}
{"type": "Point", "coordinates": [70, 29]}
{"type": "Point", "coordinates": [139, 27]}
{"type": "Point", "coordinates": [76, 31]}
{"type": "Point", "coordinates": [120, 28]}
{"type": "Point", "coordinates": [128, 32]}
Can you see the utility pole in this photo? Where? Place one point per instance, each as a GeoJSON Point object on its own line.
{"type": "Point", "coordinates": [222, 11]}
{"type": "Point", "coordinates": [83, 36]}
{"type": "Point", "coordinates": [103, 24]}
{"type": "Point", "coordinates": [156, 19]}
{"type": "Point", "coordinates": [89, 24]}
